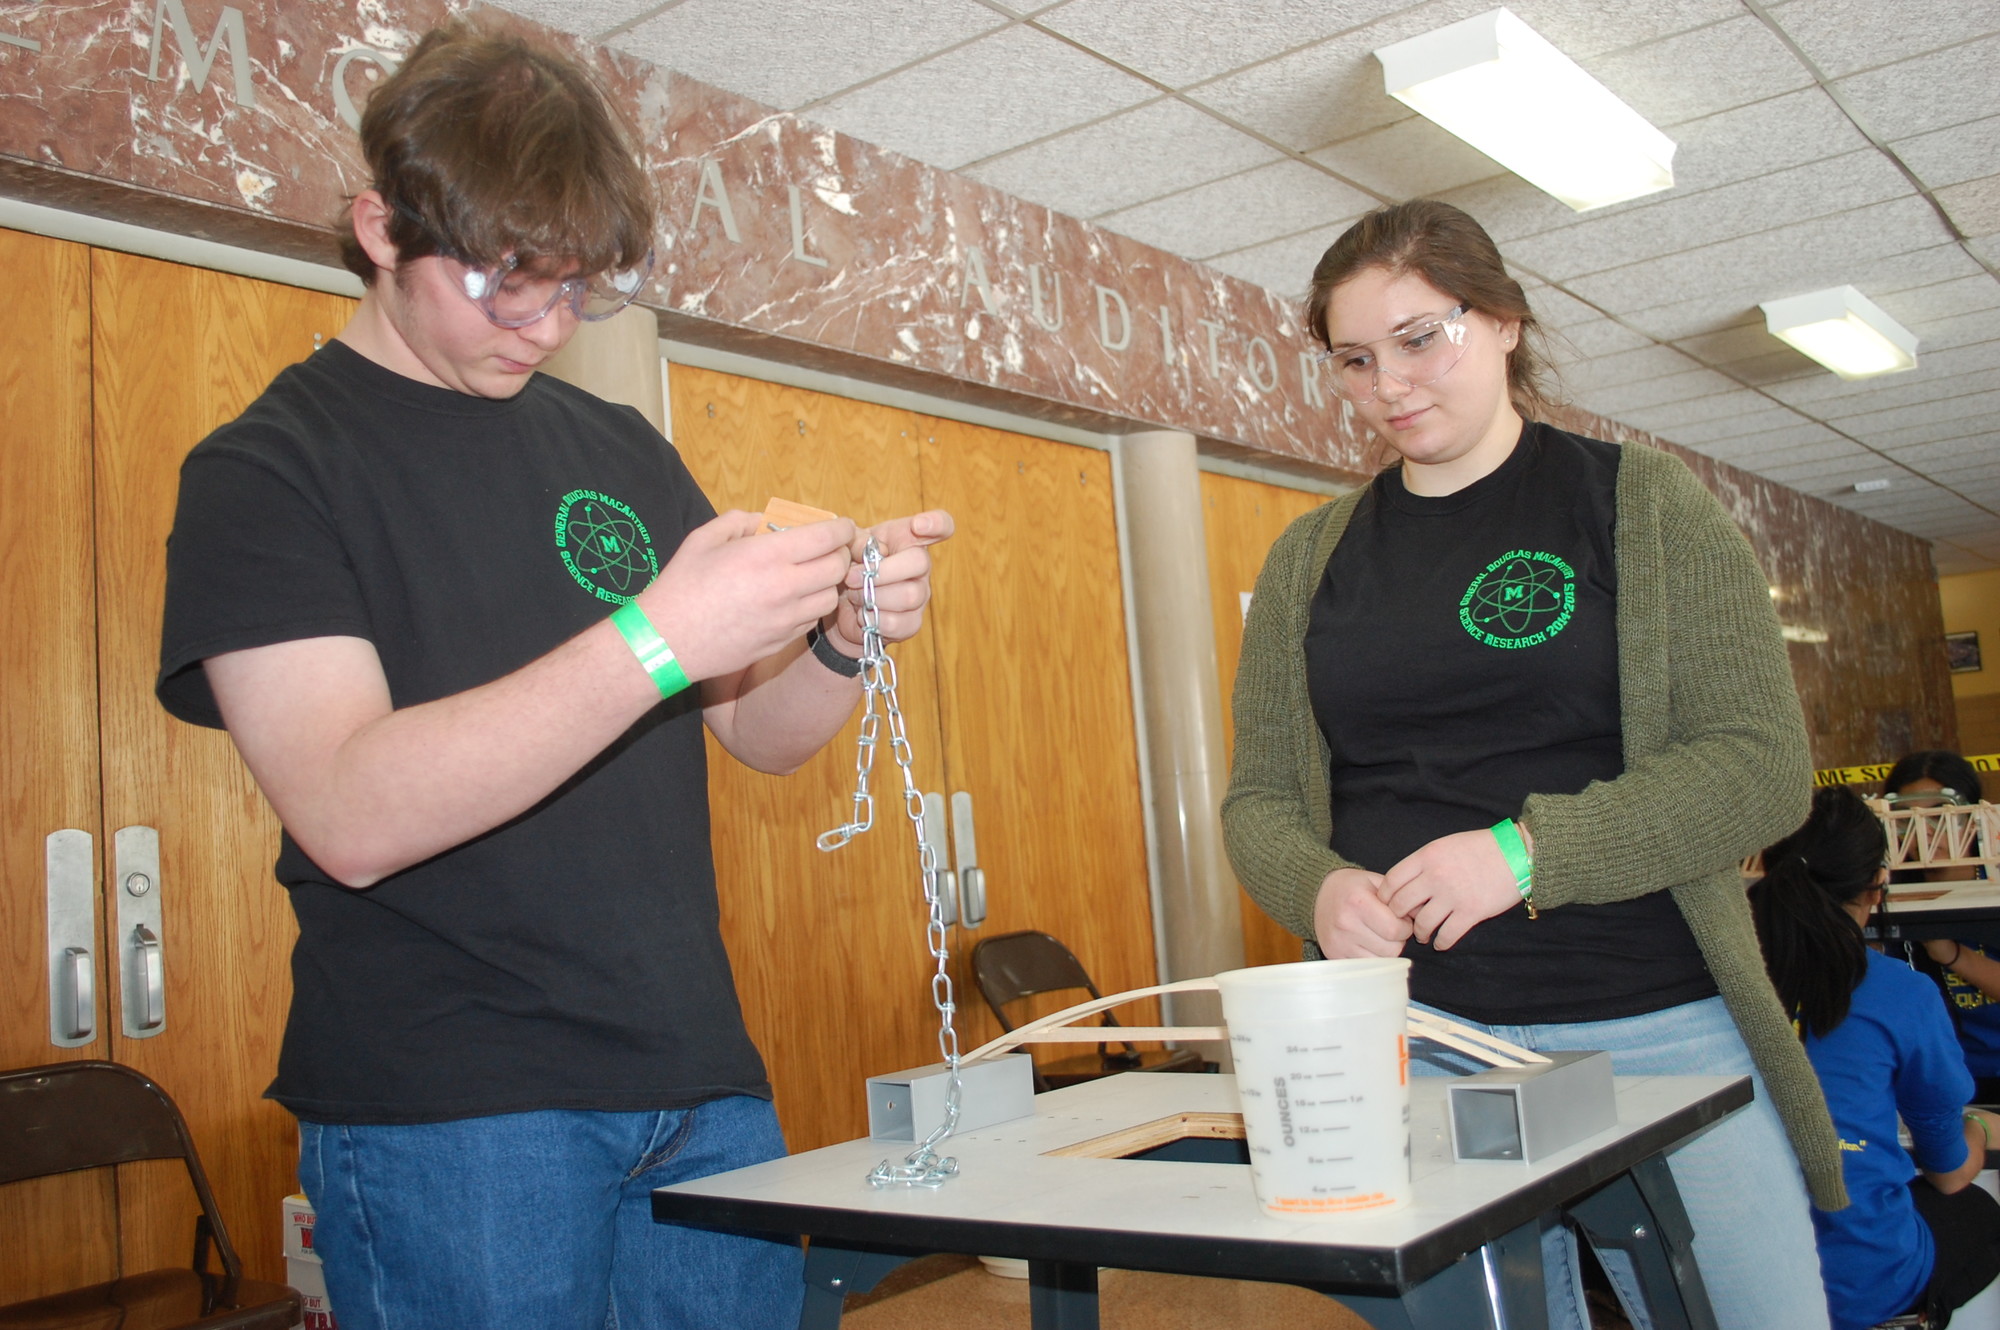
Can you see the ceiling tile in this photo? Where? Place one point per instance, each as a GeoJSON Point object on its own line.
{"type": "Point", "coordinates": [1622, 401]}
{"type": "Point", "coordinates": [1974, 205]}
{"type": "Point", "coordinates": [1703, 315]}
{"type": "Point", "coordinates": [1746, 141]}
{"type": "Point", "coordinates": [1284, 266]}
{"type": "Point", "coordinates": [1960, 332]}
{"type": "Point", "coordinates": [1191, 40]}
{"type": "Point", "coordinates": [1624, 368]}
{"type": "Point", "coordinates": [1841, 36]}
{"type": "Point", "coordinates": [1801, 257]}
{"type": "Point", "coordinates": [1911, 389]}
{"type": "Point", "coordinates": [1509, 207]}
{"type": "Point", "coordinates": [1133, 156]}
{"type": "Point", "coordinates": [1774, 440]}
{"type": "Point", "coordinates": [1940, 300]}
{"type": "Point", "coordinates": [1594, 336]}
{"type": "Point", "coordinates": [1822, 451]}
{"type": "Point", "coordinates": [1329, 91]}
{"type": "Point", "coordinates": [1747, 339]}
{"type": "Point", "coordinates": [1938, 460]}
{"type": "Point", "coordinates": [1929, 431]}
{"type": "Point", "coordinates": [789, 55]}
{"type": "Point", "coordinates": [1005, 89]}
{"type": "Point", "coordinates": [1927, 92]}
{"type": "Point", "coordinates": [1947, 156]}
{"type": "Point", "coordinates": [1817, 392]}
{"type": "Point", "coordinates": [1267, 203]}
{"type": "Point", "coordinates": [1698, 73]}
{"type": "Point", "coordinates": [1864, 425]}
{"type": "Point", "coordinates": [1586, 29]}
{"type": "Point", "coordinates": [1675, 222]}
{"type": "Point", "coordinates": [1409, 159]}
{"type": "Point", "coordinates": [1557, 308]}
{"type": "Point", "coordinates": [578, 17]}
{"type": "Point", "coordinates": [1664, 420]}
{"type": "Point", "coordinates": [1732, 425]}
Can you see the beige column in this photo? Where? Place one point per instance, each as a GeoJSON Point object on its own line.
{"type": "Point", "coordinates": [618, 359]}
{"type": "Point", "coordinates": [1199, 924]}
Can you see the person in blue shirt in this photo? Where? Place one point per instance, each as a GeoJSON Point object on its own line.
{"type": "Point", "coordinates": [1969, 972]}
{"type": "Point", "coordinates": [1879, 1037]}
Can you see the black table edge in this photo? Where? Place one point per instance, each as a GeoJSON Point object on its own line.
{"type": "Point", "coordinates": [1385, 1270]}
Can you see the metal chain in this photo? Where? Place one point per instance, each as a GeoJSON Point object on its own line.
{"type": "Point", "coordinates": [923, 1166]}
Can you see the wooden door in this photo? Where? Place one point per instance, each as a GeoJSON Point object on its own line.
{"type": "Point", "coordinates": [828, 948]}
{"type": "Point", "coordinates": [1241, 520]}
{"type": "Point", "coordinates": [1029, 627]}
{"type": "Point", "coordinates": [55, 1233]}
{"type": "Point", "coordinates": [177, 352]}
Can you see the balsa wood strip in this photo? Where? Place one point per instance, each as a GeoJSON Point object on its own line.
{"type": "Point", "coordinates": [1152, 1135]}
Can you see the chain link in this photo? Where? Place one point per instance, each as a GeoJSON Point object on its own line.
{"type": "Point", "coordinates": [923, 1166]}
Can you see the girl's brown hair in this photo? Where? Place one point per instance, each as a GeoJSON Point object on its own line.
{"type": "Point", "coordinates": [484, 145]}
{"type": "Point", "coordinates": [1452, 252]}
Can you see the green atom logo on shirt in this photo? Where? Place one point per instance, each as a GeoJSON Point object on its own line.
{"type": "Point", "coordinates": [605, 546]}
{"type": "Point", "coordinates": [1524, 598]}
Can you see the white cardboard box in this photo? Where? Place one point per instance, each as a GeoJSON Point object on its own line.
{"type": "Point", "coordinates": [309, 1278]}
{"type": "Point", "coordinates": [299, 1230]}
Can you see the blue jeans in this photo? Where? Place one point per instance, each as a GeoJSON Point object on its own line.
{"type": "Point", "coordinates": [1753, 1233]}
{"type": "Point", "coordinates": [543, 1219]}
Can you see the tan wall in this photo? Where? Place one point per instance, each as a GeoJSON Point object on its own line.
{"type": "Point", "coordinates": [1972, 604]}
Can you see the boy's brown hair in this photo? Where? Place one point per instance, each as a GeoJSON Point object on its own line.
{"type": "Point", "coordinates": [485, 145]}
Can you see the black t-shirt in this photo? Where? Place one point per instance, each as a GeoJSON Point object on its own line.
{"type": "Point", "coordinates": [570, 958]}
{"type": "Point", "coordinates": [1462, 654]}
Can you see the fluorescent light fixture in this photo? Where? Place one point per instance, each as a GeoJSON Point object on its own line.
{"type": "Point", "coordinates": [1872, 486]}
{"type": "Point", "coordinates": [1502, 87]}
{"type": "Point", "coordinates": [1844, 331]}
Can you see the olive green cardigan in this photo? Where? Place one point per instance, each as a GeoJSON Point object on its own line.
{"type": "Point", "coordinates": [1716, 764]}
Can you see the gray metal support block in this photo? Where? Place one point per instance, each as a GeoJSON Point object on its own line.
{"type": "Point", "coordinates": [1522, 1114]}
{"type": "Point", "coordinates": [909, 1105]}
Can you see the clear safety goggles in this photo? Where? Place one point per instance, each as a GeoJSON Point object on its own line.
{"type": "Point", "coordinates": [1946, 797]}
{"type": "Point", "coordinates": [1422, 353]}
{"type": "Point", "coordinates": [511, 298]}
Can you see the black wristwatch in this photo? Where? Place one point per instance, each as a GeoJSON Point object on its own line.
{"type": "Point", "coordinates": [827, 654]}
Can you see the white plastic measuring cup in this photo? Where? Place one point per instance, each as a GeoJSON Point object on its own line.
{"type": "Point", "coordinates": [1322, 1068]}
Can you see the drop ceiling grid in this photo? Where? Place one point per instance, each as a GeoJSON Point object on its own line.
{"type": "Point", "coordinates": [1247, 136]}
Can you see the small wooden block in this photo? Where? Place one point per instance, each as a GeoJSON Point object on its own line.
{"type": "Point", "coordinates": [782, 514]}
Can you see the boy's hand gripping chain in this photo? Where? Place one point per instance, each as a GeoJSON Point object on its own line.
{"type": "Point", "coordinates": [923, 1166]}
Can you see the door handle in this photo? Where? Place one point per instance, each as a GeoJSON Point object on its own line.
{"type": "Point", "coordinates": [152, 978]}
{"type": "Point", "coordinates": [965, 855]}
{"type": "Point", "coordinates": [72, 927]}
{"type": "Point", "coordinates": [142, 958]}
{"type": "Point", "coordinates": [76, 1001]}
{"type": "Point", "coordinates": [947, 883]}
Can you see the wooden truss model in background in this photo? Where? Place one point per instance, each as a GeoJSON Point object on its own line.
{"type": "Point", "coordinates": [1950, 836]}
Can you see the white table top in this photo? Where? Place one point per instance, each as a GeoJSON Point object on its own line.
{"type": "Point", "coordinates": [1012, 1199]}
{"type": "Point", "coordinates": [1975, 895]}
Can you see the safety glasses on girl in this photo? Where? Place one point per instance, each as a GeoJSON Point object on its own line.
{"type": "Point", "coordinates": [1421, 353]}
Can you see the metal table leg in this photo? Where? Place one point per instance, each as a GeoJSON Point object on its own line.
{"type": "Point", "coordinates": [1062, 1296]}
{"type": "Point", "coordinates": [1641, 1214]}
{"type": "Point", "coordinates": [1498, 1287]}
{"type": "Point", "coordinates": [833, 1272]}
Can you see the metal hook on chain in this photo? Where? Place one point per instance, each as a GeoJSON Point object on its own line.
{"type": "Point", "coordinates": [923, 1166]}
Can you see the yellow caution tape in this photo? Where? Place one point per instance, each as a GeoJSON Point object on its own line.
{"type": "Point", "coordinates": [1879, 771]}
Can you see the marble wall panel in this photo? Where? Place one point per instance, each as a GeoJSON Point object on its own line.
{"type": "Point", "coordinates": [1859, 604]}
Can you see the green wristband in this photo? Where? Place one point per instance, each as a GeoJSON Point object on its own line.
{"type": "Point", "coordinates": [1518, 862]}
{"type": "Point", "coordinates": [651, 649]}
